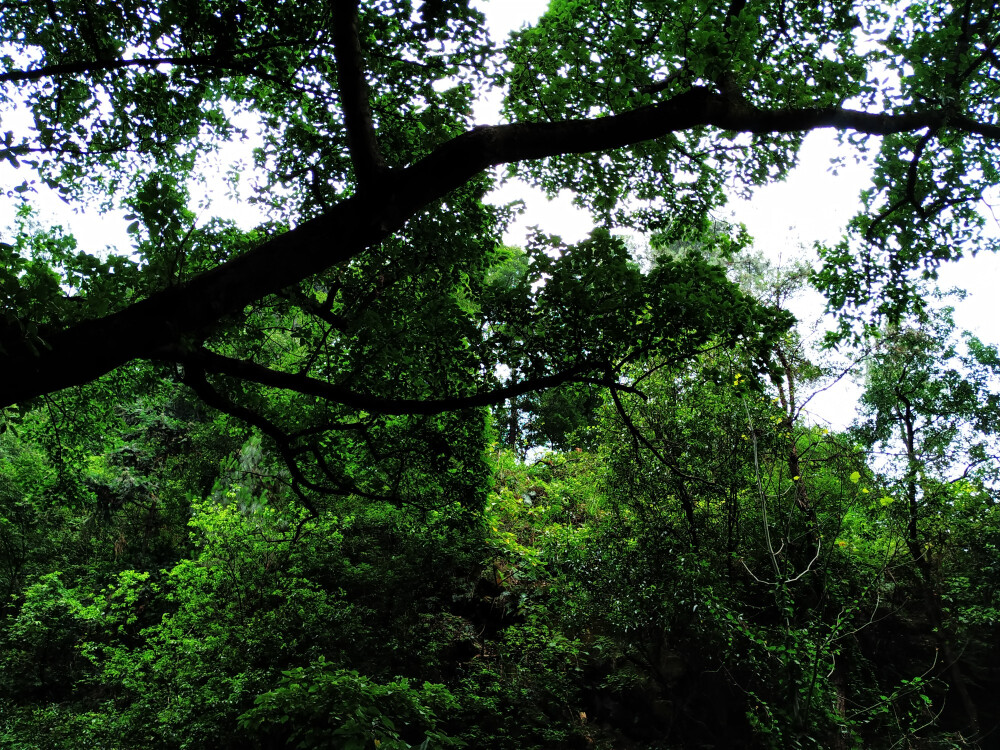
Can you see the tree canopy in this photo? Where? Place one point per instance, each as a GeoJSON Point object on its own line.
{"type": "Point", "coordinates": [374, 175]}
{"type": "Point", "coordinates": [364, 476]}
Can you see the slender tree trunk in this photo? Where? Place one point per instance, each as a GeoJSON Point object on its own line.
{"type": "Point", "coordinates": [514, 427]}
{"type": "Point", "coordinates": [787, 399]}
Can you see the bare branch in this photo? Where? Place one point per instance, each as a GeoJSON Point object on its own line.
{"type": "Point", "coordinates": [639, 439]}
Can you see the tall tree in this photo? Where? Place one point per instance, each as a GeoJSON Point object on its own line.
{"type": "Point", "coordinates": [375, 175]}
{"type": "Point", "coordinates": [931, 407]}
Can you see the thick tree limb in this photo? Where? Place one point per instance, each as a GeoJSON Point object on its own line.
{"type": "Point", "coordinates": [90, 349]}
{"type": "Point", "coordinates": [353, 86]}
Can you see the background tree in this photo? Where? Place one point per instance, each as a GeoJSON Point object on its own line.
{"type": "Point", "coordinates": [930, 406]}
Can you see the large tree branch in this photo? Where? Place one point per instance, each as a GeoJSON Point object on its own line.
{"type": "Point", "coordinates": [90, 349]}
{"type": "Point", "coordinates": [353, 86]}
{"type": "Point", "coordinates": [250, 371]}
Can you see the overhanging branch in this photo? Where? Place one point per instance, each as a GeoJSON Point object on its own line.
{"type": "Point", "coordinates": [149, 328]}
{"type": "Point", "coordinates": [250, 371]}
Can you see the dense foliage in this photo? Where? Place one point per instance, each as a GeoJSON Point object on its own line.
{"type": "Point", "coordinates": [365, 477]}
{"type": "Point", "coordinates": [675, 585]}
